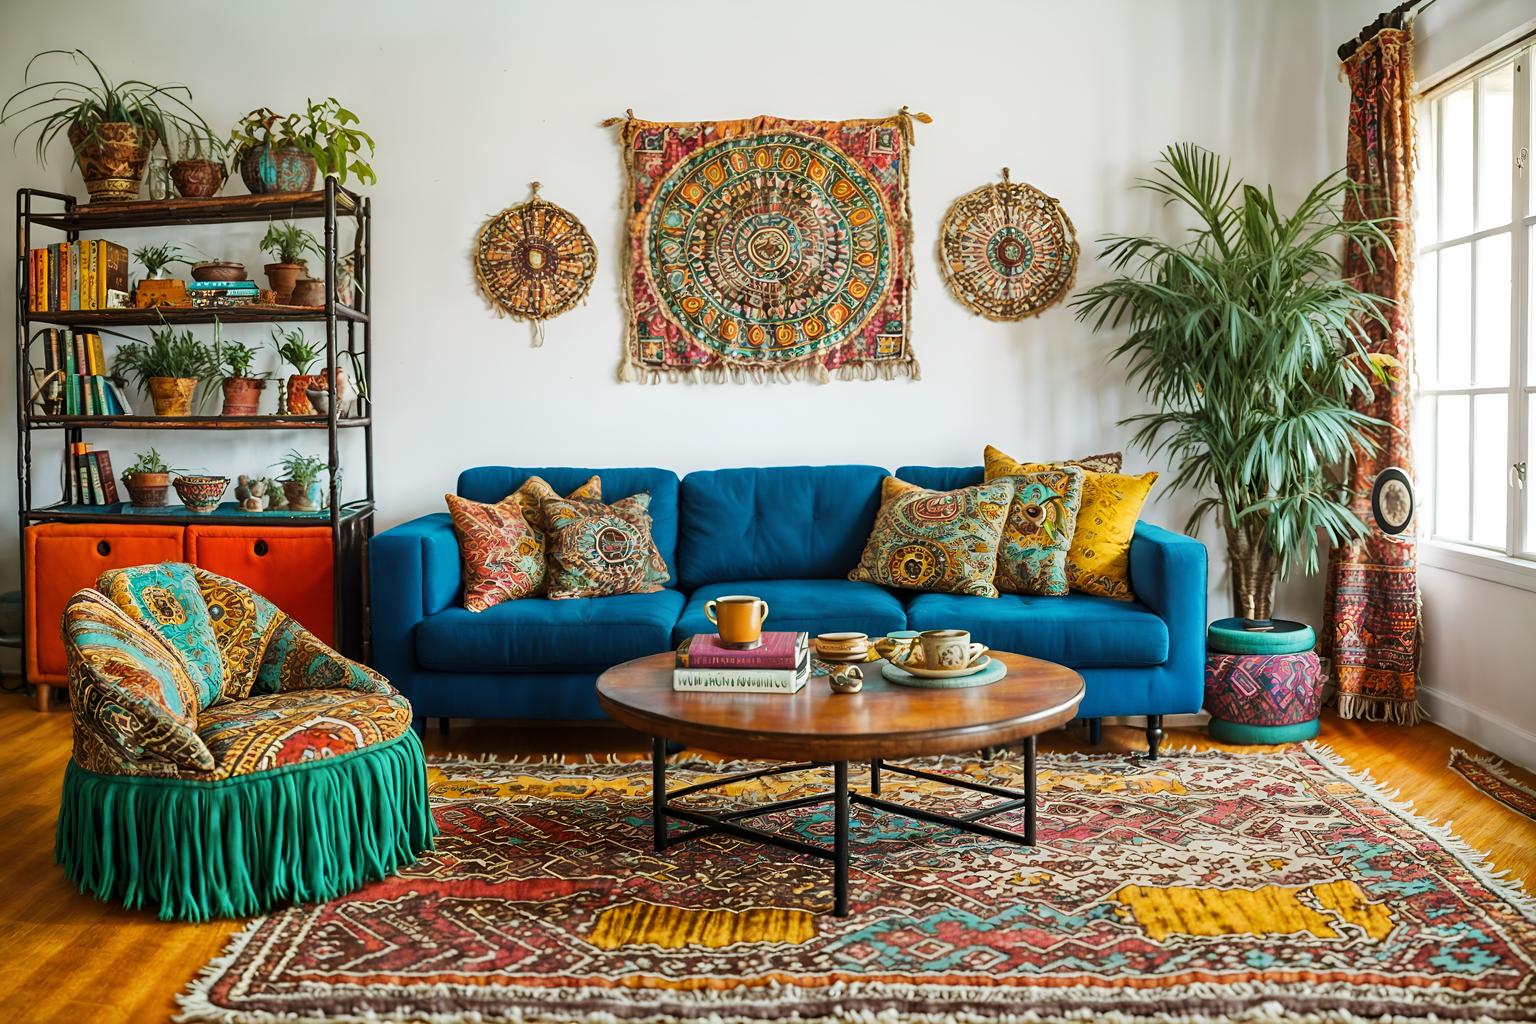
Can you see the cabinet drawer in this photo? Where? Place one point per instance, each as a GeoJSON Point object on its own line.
{"type": "Point", "coordinates": [290, 566]}
{"type": "Point", "coordinates": [65, 557]}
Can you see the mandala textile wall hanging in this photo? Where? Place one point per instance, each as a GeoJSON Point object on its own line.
{"type": "Point", "coordinates": [768, 249]}
{"type": "Point", "coordinates": [1008, 251]}
{"type": "Point", "coordinates": [534, 261]}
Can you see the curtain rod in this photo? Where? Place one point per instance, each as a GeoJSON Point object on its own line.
{"type": "Point", "coordinates": [1391, 19]}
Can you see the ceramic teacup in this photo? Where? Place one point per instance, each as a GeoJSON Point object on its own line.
{"type": "Point", "coordinates": [897, 646]}
{"type": "Point", "coordinates": [738, 617]}
{"type": "Point", "coordinates": [949, 648]}
{"type": "Point", "coordinates": [842, 645]}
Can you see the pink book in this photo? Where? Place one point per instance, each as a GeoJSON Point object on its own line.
{"type": "Point", "coordinates": [778, 650]}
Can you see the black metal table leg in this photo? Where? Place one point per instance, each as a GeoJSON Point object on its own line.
{"type": "Point", "coordinates": [1029, 791]}
{"type": "Point", "coordinates": [874, 776]}
{"type": "Point", "coordinates": [659, 792]}
{"type": "Point", "coordinates": [1095, 731]}
{"type": "Point", "coordinates": [840, 840]}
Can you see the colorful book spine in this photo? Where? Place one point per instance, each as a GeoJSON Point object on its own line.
{"type": "Point", "coordinates": [108, 479]}
{"type": "Point", "coordinates": [781, 650]}
{"type": "Point", "coordinates": [741, 680]}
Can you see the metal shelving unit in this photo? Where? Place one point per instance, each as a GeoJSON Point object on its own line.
{"type": "Point", "coordinates": [347, 329]}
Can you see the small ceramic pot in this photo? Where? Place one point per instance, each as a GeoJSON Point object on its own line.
{"type": "Point", "coordinates": [299, 386]}
{"type": "Point", "coordinates": [112, 162]}
{"type": "Point", "coordinates": [198, 179]}
{"type": "Point", "coordinates": [320, 399]}
{"type": "Point", "coordinates": [308, 291]}
{"type": "Point", "coordinates": [201, 494]}
{"type": "Point", "coordinates": [242, 395]}
{"type": "Point", "coordinates": [218, 270]}
{"type": "Point", "coordinates": [172, 396]}
{"type": "Point", "coordinates": [845, 678]}
{"type": "Point", "coordinates": [300, 497]}
{"type": "Point", "coordinates": [266, 169]}
{"type": "Point", "coordinates": [147, 490]}
{"type": "Point", "coordinates": [282, 277]}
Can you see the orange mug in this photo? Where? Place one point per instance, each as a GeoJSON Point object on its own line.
{"type": "Point", "coordinates": [738, 617]}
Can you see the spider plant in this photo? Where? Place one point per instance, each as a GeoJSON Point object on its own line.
{"type": "Point", "coordinates": [1251, 344]}
{"type": "Point", "coordinates": [287, 243]}
{"type": "Point", "coordinates": [156, 258]}
{"type": "Point", "coordinates": [82, 107]}
{"type": "Point", "coordinates": [299, 468]}
{"type": "Point", "coordinates": [295, 349]}
{"type": "Point", "coordinates": [168, 353]}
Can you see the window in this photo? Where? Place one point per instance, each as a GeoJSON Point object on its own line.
{"type": "Point", "coordinates": [1475, 411]}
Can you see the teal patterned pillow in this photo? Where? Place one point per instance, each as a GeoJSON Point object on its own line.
{"type": "Point", "coordinates": [167, 600]}
{"type": "Point", "coordinates": [944, 541]}
{"type": "Point", "coordinates": [598, 550]}
{"type": "Point", "coordinates": [1032, 558]}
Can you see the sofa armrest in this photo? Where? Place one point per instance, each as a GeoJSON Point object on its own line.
{"type": "Point", "coordinates": [1168, 574]}
{"type": "Point", "coordinates": [413, 572]}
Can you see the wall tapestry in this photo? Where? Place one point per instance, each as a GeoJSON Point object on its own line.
{"type": "Point", "coordinates": [1008, 250]}
{"type": "Point", "coordinates": [768, 249]}
{"type": "Point", "coordinates": [534, 261]}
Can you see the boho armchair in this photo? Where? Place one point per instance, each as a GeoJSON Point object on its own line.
{"type": "Point", "coordinates": [225, 760]}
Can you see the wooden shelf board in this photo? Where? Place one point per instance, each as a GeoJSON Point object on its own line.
{"type": "Point", "coordinates": [153, 316]}
{"type": "Point", "coordinates": [174, 514]}
{"type": "Point", "coordinates": [272, 422]}
{"type": "Point", "coordinates": [215, 210]}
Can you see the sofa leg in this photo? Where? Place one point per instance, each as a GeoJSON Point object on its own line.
{"type": "Point", "coordinates": [1095, 731]}
{"type": "Point", "coordinates": [419, 726]}
{"type": "Point", "coordinates": [1154, 735]}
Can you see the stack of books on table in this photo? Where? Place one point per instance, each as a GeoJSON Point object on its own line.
{"type": "Point", "coordinates": [781, 664]}
{"type": "Point", "coordinates": [206, 294]}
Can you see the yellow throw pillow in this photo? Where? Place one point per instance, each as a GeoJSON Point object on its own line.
{"type": "Point", "coordinates": [1000, 464]}
{"type": "Point", "coordinates": [1099, 560]}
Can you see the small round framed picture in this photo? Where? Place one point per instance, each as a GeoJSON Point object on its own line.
{"type": "Point", "coordinates": [1392, 501]}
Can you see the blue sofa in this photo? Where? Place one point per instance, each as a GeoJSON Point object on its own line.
{"type": "Point", "coordinates": [790, 535]}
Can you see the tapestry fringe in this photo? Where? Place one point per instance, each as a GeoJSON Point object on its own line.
{"type": "Point", "coordinates": [811, 371]}
{"type": "Point", "coordinates": [1378, 709]}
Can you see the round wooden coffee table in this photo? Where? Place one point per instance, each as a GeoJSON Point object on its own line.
{"type": "Point", "coordinates": [816, 727]}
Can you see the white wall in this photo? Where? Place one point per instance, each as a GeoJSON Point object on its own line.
{"type": "Point", "coordinates": [473, 100]}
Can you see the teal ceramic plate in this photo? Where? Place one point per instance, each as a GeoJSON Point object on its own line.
{"type": "Point", "coordinates": [900, 676]}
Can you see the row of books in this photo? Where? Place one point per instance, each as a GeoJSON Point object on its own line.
{"type": "Point", "coordinates": [90, 274]}
{"type": "Point", "coordinates": [75, 372]}
{"type": "Point", "coordinates": [780, 664]}
{"type": "Point", "coordinates": [88, 478]}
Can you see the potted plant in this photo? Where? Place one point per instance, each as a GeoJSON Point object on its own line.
{"type": "Point", "coordinates": [286, 244]}
{"type": "Point", "coordinates": [156, 260]}
{"type": "Point", "coordinates": [147, 480]}
{"type": "Point", "coordinates": [1248, 341]}
{"type": "Point", "coordinates": [200, 492]}
{"type": "Point", "coordinates": [199, 170]}
{"type": "Point", "coordinates": [301, 481]}
{"type": "Point", "coordinates": [283, 153]}
{"type": "Point", "coordinates": [169, 366]}
{"type": "Point", "coordinates": [111, 127]}
{"type": "Point", "coordinates": [242, 388]}
{"type": "Point", "coordinates": [297, 351]}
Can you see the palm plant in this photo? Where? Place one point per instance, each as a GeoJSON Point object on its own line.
{"type": "Point", "coordinates": [287, 243]}
{"type": "Point", "coordinates": [1251, 345]}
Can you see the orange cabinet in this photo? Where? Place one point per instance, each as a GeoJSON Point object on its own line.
{"type": "Point", "coordinates": [290, 566]}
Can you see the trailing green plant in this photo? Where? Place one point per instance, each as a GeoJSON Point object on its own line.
{"type": "Point", "coordinates": [299, 468]}
{"type": "Point", "coordinates": [148, 462]}
{"type": "Point", "coordinates": [1250, 344]}
{"type": "Point", "coordinates": [168, 353]}
{"type": "Point", "coordinates": [155, 258]}
{"type": "Point", "coordinates": [87, 105]}
{"type": "Point", "coordinates": [287, 243]}
{"type": "Point", "coordinates": [324, 130]}
{"type": "Point", "coordinates": [295, 349]}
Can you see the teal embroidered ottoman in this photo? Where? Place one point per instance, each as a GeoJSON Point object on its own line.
{"type": "Point", "coordinates": [1262, 687]}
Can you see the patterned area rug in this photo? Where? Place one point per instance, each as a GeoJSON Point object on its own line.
{"type": "Point", "coordinates": [1201, 887]}
{"type": "Point", "coordinates": [1493, 778]}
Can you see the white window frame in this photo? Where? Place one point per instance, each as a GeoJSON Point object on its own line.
{"type": "Point", "coordinates": [1513, 564]}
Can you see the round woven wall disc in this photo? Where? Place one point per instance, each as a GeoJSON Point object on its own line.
{"type": "Point", "coordinates": [1008, 250]}
{"type": "Point", "coordinates": [535, 260]}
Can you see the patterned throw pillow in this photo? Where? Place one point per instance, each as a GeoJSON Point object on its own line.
{"type": "Point", "coordinates": [598, 550]}
{"type": "Point", "coordinates": [944, 541]}
{"type": "Point", "coordinates": [166, 600]}
{"type": "Point", "coordinates": [1000, 464]}
{"type": "Point", "coordinates": [502, 546]}
{"type": "Point", "coordinates": [1042, 518]}
{"type": "Point", "coordinates": [1099, 561]}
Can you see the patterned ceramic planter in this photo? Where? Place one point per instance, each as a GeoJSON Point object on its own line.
{"type": "Point", "coordinates": [282, 277]}
{"type": "Point", "coordinates": [198, 179]}
{"type": "Point", "coordinates": [201, 494]}
{"type": "Point", "coordinates": [112, 163]}
{"type": "Point", "coordinates": [298, 387]}
{"type": "Point", "coordinates": [172, 396]}
{"type": "Point", "coordinates": [242, 396]}
{"type": "Point", "coordinates": [147, 490]}
{"type": "Point", "coordinates": [283, 169]}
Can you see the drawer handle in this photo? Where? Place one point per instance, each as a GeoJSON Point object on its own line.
{"type": "Point", "coordinates": [103, 548]}
{"type": "Point", "coordinates": [261, 549]}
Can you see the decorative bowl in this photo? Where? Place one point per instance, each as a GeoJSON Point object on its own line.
{"type": "Point", "coordinates": [218, 270]}
{"type": "Point", "coordinates": [201, 493]}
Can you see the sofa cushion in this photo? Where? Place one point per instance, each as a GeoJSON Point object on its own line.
{"type": "Point", "coordinates": [583, 634]}
{"type": "Point", "coordinates": [1078, 631]}
{"type": "Point", "coordinates": [777, 523]}
{"type": "Point", "coordinates": [812, 606]}
{"type": "Point", "coordinates": [492, 483]}
{"type": "Point", "coordinates": [941, 478]}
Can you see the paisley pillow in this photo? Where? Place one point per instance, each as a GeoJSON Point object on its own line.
{"type": "Point", "coordinates": [1000, 464]}
{"type": "Point", "coordinates": [598, 550]}
{"type": "Point", "coordinates": [166, 600]}
{"type": "Point", "coordinates": [944, 541]}
{"type": "Point", "coordinates": [1042, 518]}
{"type": "Point", "coordinates": [502, 546]}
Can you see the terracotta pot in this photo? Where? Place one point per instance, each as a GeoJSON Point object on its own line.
{"type": "Point", "coordinates": [218, 270]}
{"type": "Point", "coordinates": [201, 494]}
{"type": "Point", "coordinates": [298, 385]}
{"type": "Point", "coordinates": [172, 396]}
{"type": "Point", "coordinates": [112, 163]}
{"type": "Point", "coordinates": [147, 490]}
{"type": "Point", "coordinates": [282, 277]}
{"type": "Point", "coordinates": [242, 395]}
{"type": "Point", "coordinates": [299, 498]}
{"type": "Point", "coordinates": [308, 291]}
{"type": "Point", "coordinates": [266, 169]}
{"type": "Point", "coordinates": [198, 179]}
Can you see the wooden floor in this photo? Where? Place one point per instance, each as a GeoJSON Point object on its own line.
{"type": "Point", "coordinates": [64, 957]}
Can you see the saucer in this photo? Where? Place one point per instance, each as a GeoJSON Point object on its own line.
{"type": "Point", "coordinates": [846, 658]}
{"type": "Point", "coordinates": [948, 673]}
{"type": "Point", "coordinates": [989, 674]}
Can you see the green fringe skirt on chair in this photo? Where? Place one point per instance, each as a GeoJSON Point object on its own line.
{"type": "Point", "coordinates": [240, 846]}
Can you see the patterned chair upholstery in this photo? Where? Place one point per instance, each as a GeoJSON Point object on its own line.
{"type": "Point", "coordinates": [225, 760]}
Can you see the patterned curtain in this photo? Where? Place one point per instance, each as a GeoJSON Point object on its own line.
{"type": "Point", "coordinates": [1372, 630]}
